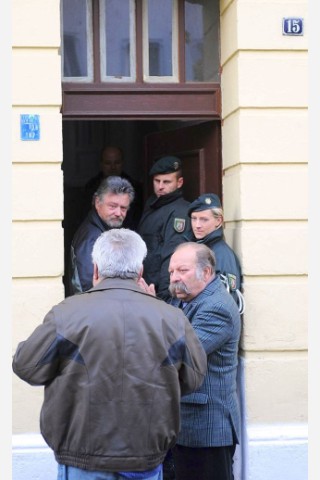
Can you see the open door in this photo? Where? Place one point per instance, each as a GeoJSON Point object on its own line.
{"type": "Point", "coordinates": [199, 147]}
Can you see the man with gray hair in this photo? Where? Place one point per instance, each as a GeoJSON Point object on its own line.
{"type": "Point", "coordinates": [111, 204]}
{"type": "Point", "coordinates": [114, 362]}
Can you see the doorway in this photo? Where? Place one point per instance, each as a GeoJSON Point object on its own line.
{"type": "Point", "coordinates": [197, 143]}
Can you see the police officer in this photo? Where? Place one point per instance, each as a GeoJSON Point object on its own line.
{"type": "Point", "coordinates": [207, 227]}
{"type": "Point", "coordinates": [164, 221]}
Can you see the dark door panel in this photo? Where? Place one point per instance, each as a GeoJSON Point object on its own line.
{"type": "Point", "coordinates": [199, 147]}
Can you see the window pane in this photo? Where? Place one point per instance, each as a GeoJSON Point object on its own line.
{"type": "Point", "coordinates": [118, 48]}
{"type": "Point", "coordinates": [75, 38]}
{"type": "Point", "coordinates": [160, 15]}
{"type": "Point", "coordinates": [202, 40]}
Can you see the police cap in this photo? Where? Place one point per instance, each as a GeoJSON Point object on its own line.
{"type": "Point", "coordinates": [168, 164]}
{"type": "Point", "coordinates": [204, 202]}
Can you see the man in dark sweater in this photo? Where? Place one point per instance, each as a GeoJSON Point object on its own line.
{"type": "Point", "coordinates": [111, 164]}
{"type": "Point", "coordinates": [111, 204]}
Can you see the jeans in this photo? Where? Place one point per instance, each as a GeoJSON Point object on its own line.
{"type": "Point", "coordinates": [71, 473]}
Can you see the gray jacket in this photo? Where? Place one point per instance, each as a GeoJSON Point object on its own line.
{"type": "Point", "coordinates": [210, 417]}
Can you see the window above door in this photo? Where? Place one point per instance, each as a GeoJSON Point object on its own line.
{"type": "Point", "coordinates": [160, 47]}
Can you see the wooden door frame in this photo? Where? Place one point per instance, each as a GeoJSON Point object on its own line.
{"type": "Point", "coordinates": [201, 140]}
{"type": "Point", "coordinates": [141, 102]}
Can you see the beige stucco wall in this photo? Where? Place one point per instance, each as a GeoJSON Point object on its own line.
{"type": "Point", "coordinates": [265, 162]}
{"type": "Point", "coordinates": [264, 93]}
{"type": "Point", "coordinates": [37, 185]}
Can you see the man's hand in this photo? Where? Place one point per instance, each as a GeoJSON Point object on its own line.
{"type": "Point", "coordinates": [147, 288]}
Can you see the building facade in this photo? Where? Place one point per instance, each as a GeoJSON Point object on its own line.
{"type": "Point", "coordinates": [242, 130]}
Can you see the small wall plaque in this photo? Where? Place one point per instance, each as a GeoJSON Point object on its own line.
{"type": "Point", "coordinates": [292, 26]}
{"type": "Point", "coordinates": [29, 127]}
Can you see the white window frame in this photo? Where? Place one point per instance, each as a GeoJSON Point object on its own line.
{"type": "Point", "coordinates": [103, 41]}
{"type": "Point", "coordinates": [89, 77]}
{"type": "Point", "coordinates": [163, 79]}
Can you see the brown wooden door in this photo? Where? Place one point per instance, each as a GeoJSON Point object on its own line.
{"type": "Point", "coordinates": [199, 147]}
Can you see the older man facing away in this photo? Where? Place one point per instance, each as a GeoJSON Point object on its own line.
{"type": "Point", "coordinates": [114, 362]}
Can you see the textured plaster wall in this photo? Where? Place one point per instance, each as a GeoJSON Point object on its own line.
{"type": "Point", "coordinates": [265, 155]}
{"type": "Point", "coordinates": [37, 185]}
{"type": "Point", "coordinates": [265, 187]}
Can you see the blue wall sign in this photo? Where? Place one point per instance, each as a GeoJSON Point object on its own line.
{"type": "Point", "coordinates": [292, 26]}
{"type": "Point", "coordinates": [29, 127]}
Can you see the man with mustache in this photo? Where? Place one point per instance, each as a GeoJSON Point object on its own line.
{"type": "Point", "coordinates": [210, 417]}
{"type": "Point", "coordinates": [110, 206]}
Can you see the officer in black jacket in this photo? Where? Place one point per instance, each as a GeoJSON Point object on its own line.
{"type": "Point", "coordinates": [163, 222]}
{"type": "Point", "coordinates": [207, 227]}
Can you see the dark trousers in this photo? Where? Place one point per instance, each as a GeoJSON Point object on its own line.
{"type": "Point", "coordinates": [168, 467]}
{"type": "Point", "coordinates": [210, 463]}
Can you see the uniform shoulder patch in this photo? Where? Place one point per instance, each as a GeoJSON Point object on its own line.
{"type": "Point", "coordinates": [232, 280]}
{"type": "Point", "coordinates": [179, 224]}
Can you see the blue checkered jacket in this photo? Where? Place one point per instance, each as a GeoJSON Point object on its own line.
{"type": "Point", "coordinates": [211, 415]}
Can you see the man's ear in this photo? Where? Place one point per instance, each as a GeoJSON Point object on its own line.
{"type": "Point", "coordinates": [207, 273]}
{"type": "Point", "coordinates": [140, 273]}
{"type": "Point", "coordinates": [180, 182]}
{"type": "Point", "coordinates": [95, 277]}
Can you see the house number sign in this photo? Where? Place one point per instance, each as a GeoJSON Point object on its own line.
{"type": "Point", "coordinates": [30, 127]}
{"type": "Point", "coordinates": [292, 26]}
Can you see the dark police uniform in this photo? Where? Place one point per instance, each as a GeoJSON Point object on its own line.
{"type": "Point", "coordinates": [162, 225]}
{"type": "Point", "coordinates": [227, 262]}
